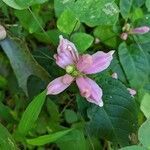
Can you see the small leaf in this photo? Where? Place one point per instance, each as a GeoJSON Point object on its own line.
{"type": "Point", "coordinates": [82, 41]}
{"type": "Point", "coordinates": [6, 140]}
{"type": "Point", "coordinates": [70, 116]}
{"type": "Point", "coordinates": [67, 22]}
{"type": "Point", "coordinates": [144, 133]}
{"type": "Point", "coordinates": [125, 8]}
{"type": "Point", "coordinates": [31, 114]}
{"type": "Point", "coordinates": [22, 62]}
{"type": "Point", "coordinates": [148, 5]}
{"type": "Point", "coordinates": [46, 139]}
{"type": "Point", "coordinates": [74, 140]}
{"type": "Point", "coordinates": [145, 105]}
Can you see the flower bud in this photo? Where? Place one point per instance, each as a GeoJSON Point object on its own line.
{"type": "Point", "coordinates": [2, 33]}
{"type": "Point", "coordinates": [124, 36]}
{"type": "Point", "coordinates": [140, 30]}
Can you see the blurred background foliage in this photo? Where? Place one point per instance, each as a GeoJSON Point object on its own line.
{"type": "Point", "coordinates": [31, 120]}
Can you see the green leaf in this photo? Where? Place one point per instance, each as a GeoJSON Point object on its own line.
{"type": "Point", "coordinates": [90, 12]}
{"type": "Point", "coordinates": [70, 116]}
{"type": "Point", "coordinates": [135, 147]}
{"type": "Point", "coordinates": [13, 4]}
{"type": "Point", "coordinates": [125, 8]}
{"type": "Point", "coordinates": [145, 105]}
{"type": "Point", "coordinates": [22, 62]}
{"type": "Point", "coordinates": [82, 41]}
{"type": "Point", "coordinates": [6, 140]}
{"type": "Point", "coordinates": [106, 35]}
{"type": "Point", "coordinates": [52, 36]}
{"type": "Point", "coordinates": [5, 113]}
{"type": "Point", "coordinates": [31, 114]}
{"type": "Point", "coordinates": [22, 4]}
{"type": "Point", "coordinates": [67, 22]}
{"type": "Point", "coordinates": [144, 133]}
{"type": "Point", "coordinates": [3, 82]}
{"type": "Point", "coordinates": [135, 64]}
{"type": "Point", "coordinates": [148, 5]}
{"type": "Point", "coordinates": [45, 139]}
{"type": "Point", "coordinates": [117, 119]}
{"type": "Point", "coordinates": [28, 21]}
{"type": "Point", "coordinates": [74, 140]}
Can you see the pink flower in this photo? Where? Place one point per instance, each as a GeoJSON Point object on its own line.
{"type": "Point", "coordinates": [77, 66]}
{"type": "Point", "coordinates": [140, 30]}
{"type": "Point", "coordinates": [132, 92]}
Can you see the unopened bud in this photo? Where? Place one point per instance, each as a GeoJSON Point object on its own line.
{"type": "Point", "coordinates": [124, 36]}
{"type": "Point", "coordinates": [2, 33]}
{"type": "Point", "coordinates": [140, 30]}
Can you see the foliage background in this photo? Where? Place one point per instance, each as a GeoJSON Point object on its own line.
{"type": "Point", "coordinates": [29, 119]}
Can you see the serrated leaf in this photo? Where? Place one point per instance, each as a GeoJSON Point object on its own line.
{"type": "Point", "coordinates": [45, 139]}
{"type": "Point", "coordinates": [22, 62]}
{"type": "Point", "coordinates": [135, 64]}
{"type": "Point", "coordinates": [97, 12]}
{"type": "Point", "coordinates": [67, 22]}
{"type": "Point", "coordinates": [31, 114]}
{"type": "Point", "coordinates": [117, 119]}
{"type": "Point", "coordinates": [82, 41]}
{"type": "Point", "coordinates": [144, 133]}
{"type": "Point", "coordinates": [6, 140]}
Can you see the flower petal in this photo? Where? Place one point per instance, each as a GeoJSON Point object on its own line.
{"type": "Point", "coordinates": [90, 90]}
{"type": "Point", "coordinates": [101, 61]}
{"type": "Point", "coordinates": [140, 30]}
{"type": "Point", "coordinates": [59, 84]}
{"type": "Point", "coordinates": [67, 53]}
{"type": "Point", "coordinates": [85, 61]}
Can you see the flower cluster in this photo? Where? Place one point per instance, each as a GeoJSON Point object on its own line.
{"type": "Point", "coordinates": [77, 68]}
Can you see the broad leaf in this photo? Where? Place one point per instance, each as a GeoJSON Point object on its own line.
{"type": "Point", "coordinates": [31, 114]}
{"type": "Point", "coordinates": [22, 4]}
{"type": "Point", "coordinates": [6, 140]}
{"type": "Point", "coordinates": [90, 12]}
{"type": "Point", "coordinates": [148, 5]}
{"type": "Point", "coordinates": [144, 133]}
{"type": "Point", "coordinates": [82, 41]}
{"type": "Point", "coordinates": [117, 119]}
{"type": "Point", "coordinates": [67, 22]}
{"type": "Point", "coordinates": [22, 62]}
{"type": "Point", "coordinates": [72, 141]}
{"type": "Point", "coordinates": [46, 139]}
{"type": "Point", "coordinates": [145, 105]}
{"type": "Point", "coordinates": [135, 64]}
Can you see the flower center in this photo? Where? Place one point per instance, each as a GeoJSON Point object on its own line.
{"type": "Point", "coordinates": [72, 70]}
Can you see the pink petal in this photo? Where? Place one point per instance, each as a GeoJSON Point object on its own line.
{"type": "Point", "coordinates": [101, 61]}
{"type": "Point", "coordinates": [90, 90]}
{"type": "Point", "coordinates": [132, 92]}
{"type": "Point", "coordinates": [59, 84]}
{"type": "Point", "coordinates": [85, 61]}
{"type": "Point", "coordinates": [67, 53]}
{"type": "Point", "coordinates": [141, 30]}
